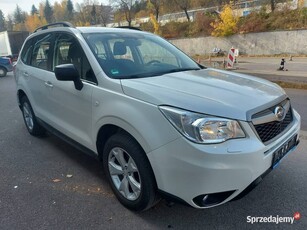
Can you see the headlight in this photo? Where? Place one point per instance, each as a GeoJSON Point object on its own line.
{"type": "Point", "coordinates": [202, 128]}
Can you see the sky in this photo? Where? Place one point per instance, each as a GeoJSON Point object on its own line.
{"type": "Point", "coordinates": [8, 6]}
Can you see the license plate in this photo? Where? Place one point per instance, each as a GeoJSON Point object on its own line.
{"type": "Point", "coordinates": [283, 150]}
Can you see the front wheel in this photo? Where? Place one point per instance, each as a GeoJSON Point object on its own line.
{"type": "Point", "coordinates": [29, 118]}
{"type": "Point", "coordinates": [129, 172]}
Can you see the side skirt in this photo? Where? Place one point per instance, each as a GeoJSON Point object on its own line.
{"type": "Point", "coordinates": [67, 139]}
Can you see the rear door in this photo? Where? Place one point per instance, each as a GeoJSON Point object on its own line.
{"type": "Point", "coordinates": [36, 74]}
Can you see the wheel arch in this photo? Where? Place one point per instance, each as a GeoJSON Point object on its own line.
{"type": "Point", "coordinates": [110, 128]}
{"type": "Point", "coordinates": [4, 67]}
{"type": "Point", "coordinates": [20, 94]}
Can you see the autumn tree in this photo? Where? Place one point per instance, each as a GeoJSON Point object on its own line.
{"type": "Point", "coordinates": [156, 6]}
{"type": "Point", "coordinates": [48, 12]}
{"type": "Point", "coordinates": [34, 21]}
{"type": "Point", "coordinates": [82, 17]}
{"type": "Point", "coordinates": [19, 18]}
{"type": "Point", "coordinates": [227, 23]}
{"type": "Point", "coordinates": [2, 21]}
{"type": "Point", "coordinates": [59, 11]}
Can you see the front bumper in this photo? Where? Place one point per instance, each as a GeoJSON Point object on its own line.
{"type": "Point", "coordinates": [187, 170]}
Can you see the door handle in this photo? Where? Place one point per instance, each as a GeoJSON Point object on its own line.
{"type": "Point", "coordinates": [48, 84]}
{"type": "Point", "coordinates": [25, 74]}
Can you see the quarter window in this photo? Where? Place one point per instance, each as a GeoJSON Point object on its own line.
{"type": "Point", "coordinates": [26, 52]}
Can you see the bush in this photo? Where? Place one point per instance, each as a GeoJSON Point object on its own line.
{"type": "Point", "coordinates": [285, 19]}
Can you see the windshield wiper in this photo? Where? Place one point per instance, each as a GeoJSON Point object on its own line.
{"type": "Point", "coordinates": [181, 70]}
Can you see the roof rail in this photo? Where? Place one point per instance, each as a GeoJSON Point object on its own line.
{"type": "Point", "coordinates": [56, 24]}
{"type": "Point", "coordinates": [129, 27]}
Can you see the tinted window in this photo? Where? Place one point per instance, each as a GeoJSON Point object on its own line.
{"type": "Point", "coordinates": [26, 52]}
{"type": "Point", "coordinates": [68, 51]}
{"type": "Point", "coordinates": [41, 55]}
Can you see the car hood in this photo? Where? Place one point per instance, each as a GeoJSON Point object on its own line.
{"type": "Point", "coordinates": [209, 91]}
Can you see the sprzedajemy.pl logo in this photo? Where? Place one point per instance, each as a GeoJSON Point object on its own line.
{"type": "Point", "coordinates": [273, 219]}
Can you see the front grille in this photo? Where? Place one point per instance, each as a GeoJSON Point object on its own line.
{"type": "Point", "coordinates": [268, 131]}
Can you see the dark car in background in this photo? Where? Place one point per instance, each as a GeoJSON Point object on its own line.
{"type": "Point", "coordinates": [5, 66]}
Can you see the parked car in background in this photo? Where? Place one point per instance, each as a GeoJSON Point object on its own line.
{"type": "Point", "coordinates": [161, 123]}
{"type": "Point", "coordinates": [5, 66]}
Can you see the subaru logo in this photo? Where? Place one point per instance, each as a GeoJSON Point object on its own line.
{"type": "Point", "coordinates": [279, 112]}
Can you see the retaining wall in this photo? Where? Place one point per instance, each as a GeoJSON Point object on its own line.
{"type": "Point", "coordinates": [266, 43]}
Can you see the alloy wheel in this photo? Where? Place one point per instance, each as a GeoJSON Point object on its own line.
{"type": "Point", "coordinates": [28, 116]}
{"type": "Point", "coordinates": [124, 174]}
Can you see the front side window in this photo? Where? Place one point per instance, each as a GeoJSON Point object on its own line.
{"type": "Point", "coordinates": [136, 55]}
{"type": "Point", "coordinates": [68, 51]}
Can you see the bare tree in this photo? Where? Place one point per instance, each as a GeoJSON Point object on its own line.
{"type": "Point", "coordinates": [104, 14]}
{"type": "Point", "coordinates": [156, 6]}
{"type": "Point", "coordinates": [185, 6]}
{"type": "Point", "coordinates": [272, 3]}
{"type": "Point", "coordinates": [126, 7]}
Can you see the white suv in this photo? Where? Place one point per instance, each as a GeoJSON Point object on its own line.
{"type": "Point", "coordinates": [161, 123]}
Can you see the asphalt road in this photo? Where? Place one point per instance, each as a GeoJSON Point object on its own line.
{"type": "Point", "coordinates": [31, 197]}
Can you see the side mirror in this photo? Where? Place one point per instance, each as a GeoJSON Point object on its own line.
{"type": "Point", "coordinates": [68, 72]}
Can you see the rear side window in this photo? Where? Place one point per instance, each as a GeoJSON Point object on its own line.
{"type": "Point", "coordinates": [41, 56]}
{"type": "Point", "coordinates": [26, 52]}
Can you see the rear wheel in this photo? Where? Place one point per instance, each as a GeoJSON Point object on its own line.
{"type": "Point", "coordinates": [29, 118]}
{"type": "Point", "coordinates": [3, 72]}
{"type": "Point", "coordinates": [129, 172]}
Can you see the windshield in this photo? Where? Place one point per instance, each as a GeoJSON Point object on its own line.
{"type": "Point", "coordinates": [136, 55]}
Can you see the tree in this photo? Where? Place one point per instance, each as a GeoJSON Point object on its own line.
{"type": "Point", "coordinates": [34, 21]}
{"type": "Point", "coordinates": [34, 10]}
{"type": "Point", "coordinates": [9, 22]}
{"type": "Point", "coordinates": [82, 16]}
{"type": "Point", "coordinates": [272, 3]}
{"type": "Point", "coordinates": [70, 10]}
{"type": "Point", "coordinates": [104, 14]}
{"type": "Point", "coordinates": [59, 11]}
{"type": "Point", "coordinates": [19, 15]}
{"type": "Point", "coordinates": [48, 12]}
{"type": "Point", "coordinates": [126, 7]}
{"type": "Point", "coordinates": [155, 24]}
{"type": "Point", "coordinates": [2, 21]}
{"type": "Point", "coordinates": [93, 15]}
{"type": "Point", "coordinates": [227, 24]}
{"type": "Point", "coordinates": [185, 6]}
{"type": "Point", "coordinates": [156, 6]}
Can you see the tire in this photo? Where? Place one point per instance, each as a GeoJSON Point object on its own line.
{"type": "Point", "coordinates": [30, 119]}
{"type": "Point", "coordinates": [129, 172]}
{"type": "Point", "coordinates": [3, 72]}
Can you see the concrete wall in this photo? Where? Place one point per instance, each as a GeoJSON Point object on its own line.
{"type": "Point", "coordinates": [266, 43]}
